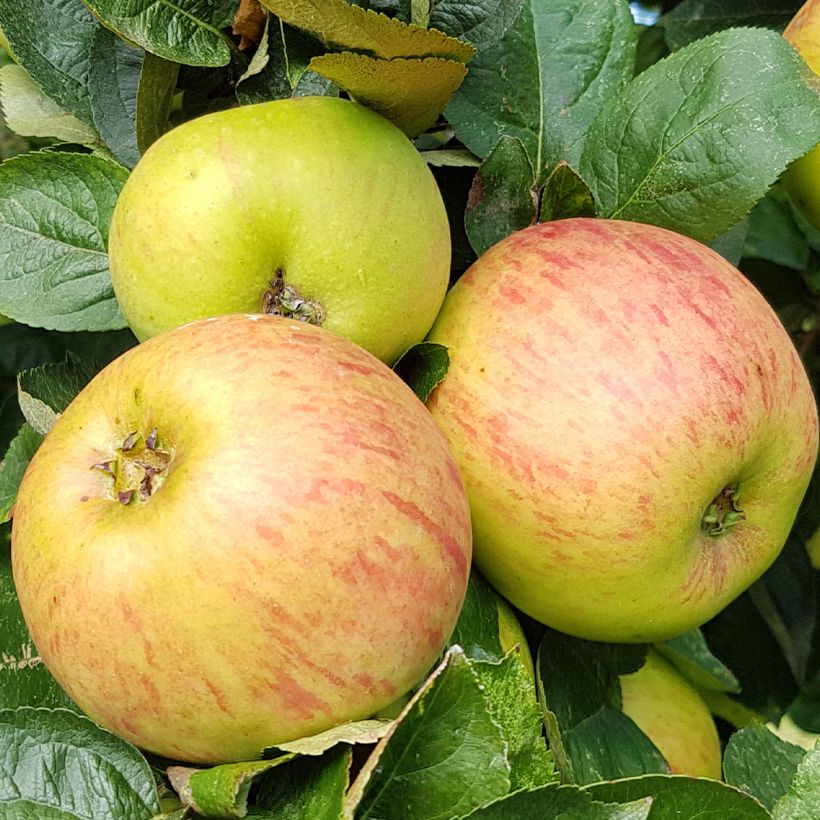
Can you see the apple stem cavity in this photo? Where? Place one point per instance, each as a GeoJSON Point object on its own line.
{"type": "Point", "coordinates": [280, 299]}
{"type": "Point", "coordinates": [723, 513]}
{"type": "Point", "coordinates": [138, 469]}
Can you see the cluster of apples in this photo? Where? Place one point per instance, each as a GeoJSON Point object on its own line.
{"type": "Point", "coordinates": [248, 529]}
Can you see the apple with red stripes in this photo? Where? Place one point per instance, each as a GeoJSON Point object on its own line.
{"type": "Point", "coordinates": [632, 422]}
{"type": "Point", "coordinates": [243, 531]}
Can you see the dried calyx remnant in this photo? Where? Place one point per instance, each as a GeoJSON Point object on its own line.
{"type": "Point", "coordinates": [138, 469]}
{"type": "Point", "coordinates": [723, 512]}
{"type": "Point", "coordinates": [281, 299]}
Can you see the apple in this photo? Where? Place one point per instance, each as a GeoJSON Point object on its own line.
{"type": "Point", "coordinates": [243, 531]}
{"type": "Point", "coordinates": [632, 422]}
{"type": "Point", "coordinates": [673, 715]}
{"type": "Point", "coordinates": [802, 178]}
{"type": "Point", "coordinates": [311, 207]}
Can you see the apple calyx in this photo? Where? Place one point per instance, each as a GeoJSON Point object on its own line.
{"type": "Point", "coordinates": [139, 468]}
{"type": "Point", "coordinates": [280, 299]}
{"type": "Point", "coordinates": [724, 512]}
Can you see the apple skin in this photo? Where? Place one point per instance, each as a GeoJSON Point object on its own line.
{"type": "Point", "coordinates": [673, 715]}
{"type": "Point", "coordinates": [802, 178]}
{"type": "Point", "coordinates": [323, 190]}
{"type": "Point", "coordinates": [302, 564]}
{"type": "Point", "coordinates": [607, 381]}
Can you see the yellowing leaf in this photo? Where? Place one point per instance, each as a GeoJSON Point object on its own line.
{"type": "Point", "coordinates": [410, 93]}
{"type": "Point", "coordinates": [336, 23]}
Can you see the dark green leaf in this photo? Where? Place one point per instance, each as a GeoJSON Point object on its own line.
{"type": "Point", "coordinates": [182, 31]}
{"type": "Point", "coordinates": [480, 22]}
{"type": "Point", "coordinates": [423, 367]}
{"type": "Point", "coordinates": [693, 19]}
{"type": "Point", "coordinates": [444, 757]}
{"type": "Point", "coordinates": [22, 448]}
{"type": "Point", "coordinates": [546, 79]}
{"type": "Point", "coordinates": [729, 244]}
{"type": "Point", "coordinates": [565, 195]}
{"type": "Point", "coordinates": [693, 142]}
{"type": "Point", "coordinates": [503, 197]}
{"type": "Point", "coordinates": [609, 745]}
{"type": "Point", "coordinates": [675, 797]}
{"type": "Point", "coordinates": [52, 39]}
{"type": "Point", "coordinates": [774, 234]}
{"type": "Point", "coordinates": [155, 96]}
{"type": "Point", "coordinates": [651, 48]}
{"type": "Point", "coordinates": [509, 688]}
{"type": "Point", "coordinates": [46, 391]}
{"type": "Point", "coordinates": [802, 801]}
{"type": "Point", "coordinates": [558, 803]}
{"type": "Point", "coordinates": [694, 660]}
{"type": "Point", "coordinates": [759, 763]}
{"type": "Point", "coordinates": [55, 211]}
{"type": "Point", "coordinates": [112, 87]}
{"type": "Point", "coordinates": [55, 760]}
{"type": "Point", "coordinates": [24, 679]}
{"type": "Point", "coordinates": [309, 787]}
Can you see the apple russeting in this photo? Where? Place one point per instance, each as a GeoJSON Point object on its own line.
{"type": "Point", "coordinates": [310, 207]}
{"type": "Point", "coordinates": [673, 715]}
{"type": "Point", "coordinates": [632, 422]}
{"type": "Point", "coordinates": [242, 531]}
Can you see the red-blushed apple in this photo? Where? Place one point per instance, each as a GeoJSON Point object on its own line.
{"type": "Point", "coordinates": [802, 178]}
{"type": "Point", "coordinates": [632, 422]}
{"type": "Point", "coordinates": [310, 207]}
{"type": "Point", "coordinates": [243, 531]}
{"type": "Point", "coordinates": [673, 715]}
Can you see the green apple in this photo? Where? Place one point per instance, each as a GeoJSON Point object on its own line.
{"type": "Point", "coordinates": [802, 178]}
{"type": "Point", "coordinates": [243, 531]}
{"type": "Point", "coordinates": [310, 207]}
{"type": "Point", "coordinates": [671, 713]}
{"type": "Point", "coordinates": [633, 424]}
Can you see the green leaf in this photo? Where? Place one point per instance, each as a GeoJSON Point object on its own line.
{"type": "Point", "coordinates": [502, 197]}
{"type": "Point", "coordinates": [729, 244]}
{"type": "Point", "coordinates": [580, 692]}
{"type": "Point", "coordinates": [342, 26]}
{"type": "Point", "coordinates": [57, 763]}
{"type": "Point", "coordinates": [52, 39]}
{"type": "Point", "coordinates": [693, 19]}
{"type": "Point", "coordinates": [802, 801]}
{"type": "Point", "coordinates": [480, 22]}
{"type": "Point", "coordinates": [309, 787]}
{"type": "Point", "coordinates": [423, 367]}
{"type": "Point", "coordinates": [31, 113]}
{"type": "Point", "coordinates": [46, 391]}
{"type": "Point", "coordinates": [359, 731]}
{"type": "Point", "coordinates": [155, 96]}
{"type": "Point", "coordinates": [759, 763]}
{"type": "Point", "coordinates": [221, 791]}
{"type": "Point", "coordinates": [182, 31]}
{"type": "Point", "coordinates": [450, 158]}
{"type": "Point", "coordinates": [411, 93]}
{"type": "Point", "coordinates": [675, 797]}
{"type": "Point", "coordinates": [131, 92]}
{"type": "Point", "coordinates": [24, 679]}
{"type": "Point", "coordinates": [565, 195]}
{"type": "Point", "coordinates": [693, 142]}
{"type": "Point", "coordinates": [558, 803]}
{"type": "Point", "coordinates": [444, 756]}
{"type": "Point", "coordinates": [22, 448]}
{"type": "Point", "coordinates": [509, 688]}
{"type": "Point", "coordinates": [695, 661]}
{"type": "Point", "coordinates": [546, 79]}
{"type": "Point", "coordinates": [774, 234]}
{"type": "Point", "coordinates": [55, 210]}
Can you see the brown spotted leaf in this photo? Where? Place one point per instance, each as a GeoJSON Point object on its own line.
{"type": "Point", "coordinates": [344, 26]}
{"type": "Point", "coordinates": [249, 23]}
{"type": "Point", "coordinates": [411, 93]}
